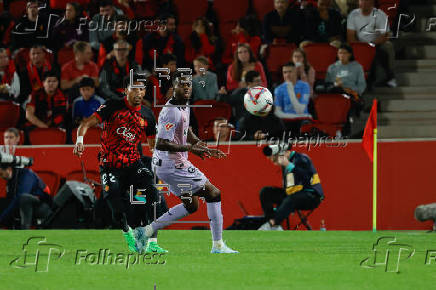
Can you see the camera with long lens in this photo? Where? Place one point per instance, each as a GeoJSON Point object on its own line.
{"type": "Point", "coordinates": [8, 160]}
{"type": "Point", "coordinates": [276, 149]}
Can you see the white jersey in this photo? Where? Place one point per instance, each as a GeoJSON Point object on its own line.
{"type": "Point", "coordinates": [173, 125]}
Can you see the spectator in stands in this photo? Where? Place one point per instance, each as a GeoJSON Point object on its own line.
{"type": "Point", "coordinates": [104, 24]}
{"type": "Point", "coordinates": [27, 192]}
{"type": "Point", "coordinates": [71, 28]}
{"type": "Point", "coordinates": [236, 98]}
{"type": "Point", "coordinates": [292, 96]}
{"type": "Point", "coordinates": [164, 42]}
{"type": "Point", "coordinates": [244, 32]}
{"type": "Point", "coordinates": [88, 102]}
{"type": "Point", "coordinates": [11, 139]}
{"type": "Point", "coordinates": [164, 91]}
{"type": "Point", "coordinates": [31, 75]}
{"type": "Point", "coordinates": [120, 33]}
{"type": "Point", "coordinates": [24, 33]}
{"type": "Point", "coordinates": [222, 129]}
{"type": "Point", "coordinates": [115, 70]}
{"type": "Point", "coordinates": [204, 82]}
{"type": "Point", "coordinates": [283, 24]}
{"type": "Point", "coordinates": [291, 100]}
{"type": "Point", "coordinates": [243, 62]}
{"type": "Point", "coordinates": [260, 128]}
{"type": "Point", "coordinates": [47, 106]}
{"type": "Point", "coordinates": [201, 41]}
{"type": "Point", "coordinates": [347, 73]}
{"type": "Point", "coordinates": [322, 25]}
{"type": "Point", "coordinates": [369, 24]}
{"type": "Point", "coordinates": [81, 66]}
{"type": "Point", "coordinates": [305, 72]}
{"type": "Point", "coordinates": [9, 79]}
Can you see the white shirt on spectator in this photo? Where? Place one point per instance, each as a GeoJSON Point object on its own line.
{"type": "Point", "coordinates": [368, 28]}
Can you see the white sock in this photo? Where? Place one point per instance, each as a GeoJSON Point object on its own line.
{"type": "Point", "coordinates": [218, 244]}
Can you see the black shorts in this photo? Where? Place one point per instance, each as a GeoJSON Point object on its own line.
{"type": "Point", "coordinates": [128, 181]}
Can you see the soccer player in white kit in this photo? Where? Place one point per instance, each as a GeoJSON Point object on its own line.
{"type": "Point", "coordinates": [170, 162]}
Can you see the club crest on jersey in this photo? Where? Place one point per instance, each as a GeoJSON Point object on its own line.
{"type": "Point", "coordinates": [142, 122]}
{"type": "Point", "coordinates": [168, 126]}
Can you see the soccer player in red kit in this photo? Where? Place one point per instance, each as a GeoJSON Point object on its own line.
{"type": "Point", "coordinates": [124, 123]}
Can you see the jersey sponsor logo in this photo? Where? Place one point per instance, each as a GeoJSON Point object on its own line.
{"type": "Point", "coordinates": [127, 135]}
{"type": "Point", "coordinates": [168, 126]}
{"type": "Point", "coordinates": [101, 107]}
{"type": "Point", "coordinates": [142, 122]}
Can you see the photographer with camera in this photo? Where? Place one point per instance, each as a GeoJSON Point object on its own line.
{"type": "Point", "coordinates": [25, 190]}
{"type": "Point", "coordinates": [301, 190]}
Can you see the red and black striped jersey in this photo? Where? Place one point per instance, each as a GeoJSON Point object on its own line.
{"type": "Point", "coordinates": [123, 129]}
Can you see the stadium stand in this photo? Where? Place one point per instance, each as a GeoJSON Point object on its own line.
{"type": "Point", "coordinates": [9, 114]}
{"type": "Point", "coordinates": [364, 54]}
{"type": "Point", "coordinates": [17, 8]}
{"type": "Point", "coordinates": [47, 136]}
{"type": "Point", "coordinates": [278, 55]}
{"type": "Point", "coordinates": [320, 56]}
{"type": "Point", "coordinates": [332, 111]}
{"type": "Point", "coordinates": [206, 116]}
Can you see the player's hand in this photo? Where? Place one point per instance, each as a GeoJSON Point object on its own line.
{"type": "Point", "coordinates": [78, 149]}
{"type": "Point", "coordinates": [200, 143]}
{"type": "Point", "coordinates": [200, 151]}
{"type": "Point", "coordinates": [217, 153]}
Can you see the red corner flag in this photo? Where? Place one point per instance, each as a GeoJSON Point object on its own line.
{"type": "Point", "coordinates": [368, 134]}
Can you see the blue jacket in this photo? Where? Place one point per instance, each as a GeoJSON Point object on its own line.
{"type": "Point", "coordinates": [282, 99]}
{"type": "Point", "coordinates": [24, 181]}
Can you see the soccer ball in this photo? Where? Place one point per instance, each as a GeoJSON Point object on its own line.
{"type": "Point", "coordinates": [258, 101]}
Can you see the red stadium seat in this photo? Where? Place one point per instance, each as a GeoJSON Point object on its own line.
{"type": "Point", "coordinates": [91, 175]}
{"type": "Point", "coordinates": [206, 116]}
{"type": "Point", "coordinates": [187, 13]}
{"type": "Point", "coordinates": [2, 140]}
{"type": "Point", "coordinates": [2, 188]}
{"type": "Point", "coordinates": [320, 56]}
{"type": "Point", "coordinates": [47, 136]}
{"type": "Point", "coordinates": [278, 55]}
{"type": "Point", "coordinates": [65, 54]}
{"type": "Point", "coordinates": [93, 136]}
{"type": "Point", "coordinates": [364, 54]}
{"type": "Point", "coordinates": [51, 179]}
{"type": "Point", "coordinates": [262, 7]}
{"type": "Point", "coordinates": [17, 8]}
{"type": "Point", "coordinates": [391, 10]}
{"type": "Point", "coordinates": [332, 111]}
{"type": "Point", "coordinates": [230, 10]}
{"type": "Point", "coordinates": [9, 114]}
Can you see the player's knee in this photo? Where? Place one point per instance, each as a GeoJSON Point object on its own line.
{"type": "Point", "coordinates": [214, 196]}
{"type": "Point", "coordinates": [191, 207]}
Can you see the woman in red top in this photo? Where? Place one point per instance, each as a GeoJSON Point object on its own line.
{"type": "Point", "coordinates": [243, 61]}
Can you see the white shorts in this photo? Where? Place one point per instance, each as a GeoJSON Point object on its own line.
{"type": "Point", "coordinates": [182, 179]}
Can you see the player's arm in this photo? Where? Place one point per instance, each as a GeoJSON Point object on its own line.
{"type": "Point", "coordinates": [194, 140]}
{"type": "Point", "coordinates": [167, 145]}
{"type": "Point", "coordinates": [81, 131]}
{"type": "Point", "coordinates": [30, 116]}
{"type": "Point", "coordinates": [151, 144]}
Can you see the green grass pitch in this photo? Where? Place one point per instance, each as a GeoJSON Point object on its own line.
{"type": "Point", "coordinates": [267, 260]}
